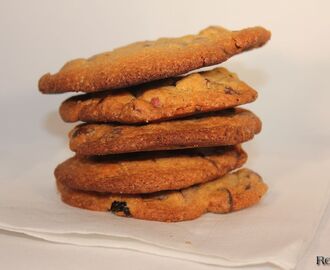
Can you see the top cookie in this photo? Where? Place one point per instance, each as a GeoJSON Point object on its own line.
{"type": "Point", "coordinates": [146, 61]}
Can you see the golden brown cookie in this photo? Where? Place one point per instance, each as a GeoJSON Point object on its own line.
{"type": "Point", "coordinates": [229, 127]}
{"type": "Point", "coordinates": [213, 90]}
{"type": "Point", "coordinates": [146, 61]}
{"type": "Point", "coordinates": [149, 171]}
{"type": "Point", "coordinates": [232, 192]}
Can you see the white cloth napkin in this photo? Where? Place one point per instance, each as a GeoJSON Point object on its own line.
{"type": "Point", "coordinates": [276, 231]}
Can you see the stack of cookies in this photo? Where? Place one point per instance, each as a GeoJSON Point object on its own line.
{"type": "Point", "coordinates": [157, 144]}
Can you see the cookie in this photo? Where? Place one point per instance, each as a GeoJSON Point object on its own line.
{"type": "Point", "coordinates": [230, 193]}
{"type": "Point", "coordinates": [146, 61]}
{"type": "Point", "coordinates": [228, 127]}
{"type": "Point", "coordinates": [149, 171]}
{"type": "Point", "coordinates": [213, 90]}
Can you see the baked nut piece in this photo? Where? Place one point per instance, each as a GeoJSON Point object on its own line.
{"type": "Point", "coordinates": [229, 127]}
{"type": "Point", "coordinates": [146, 61]}
{"type": "Point", "coordinates": [232, 192]}
{"type": "Point", "coordinates": [213, 90]}
{"type": "Point", "coordinates": [149, 171]}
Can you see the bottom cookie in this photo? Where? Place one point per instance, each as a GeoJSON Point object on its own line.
{"type": "Point", "coordinates": [229, 193]}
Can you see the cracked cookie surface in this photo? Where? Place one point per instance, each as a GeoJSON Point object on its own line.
{"type": "Point", "coordinates": [229, 193]}
{"type": "Point", "coordinates": [146, 61]}
{"type": "Point", "coordinates": [149, 171]}
{"type": "Point", "coordinates": [228, 127]}
{"type": "Point", "coordinates": [213, 90]}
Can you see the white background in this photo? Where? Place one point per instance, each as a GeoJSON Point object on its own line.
{"type": "Point", "coordinates": [291, 74]}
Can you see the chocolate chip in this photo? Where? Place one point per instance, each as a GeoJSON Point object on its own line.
{"type": "Point", "coordinates": [115, 133]}
{"type": "Point", "coordinates": [118, 206]}
{"type": "Point", "coordinates": [230, 199]}
{"type": "Point", "coordinates": [248, 186]}
{"type": "Point", "coordinates": [208, 83]}
{"type": "Point", "coordinates": [82, 130]}
{"type": "Point", "coordinates": [230, 91]}
{"type": "Point", "coordinates": [76, 133]}
{"type": "Point", "coordinates": [213, 162]}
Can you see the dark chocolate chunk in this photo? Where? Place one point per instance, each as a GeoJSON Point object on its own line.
{"type": "Point", "coordinates": [230, 199]}
{"type": "Point", "coordinates": [117, 206]}
{"type": "Point", "coordinates": [83, 129]}
{"type": "Point", "coordinates": [230, 91]}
